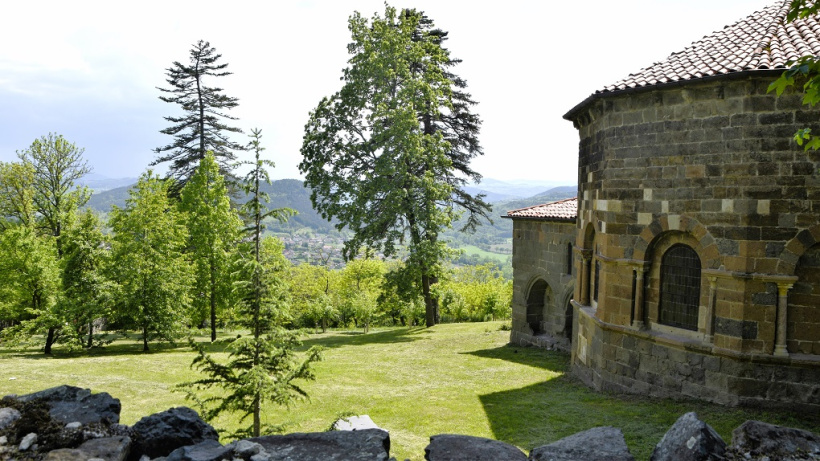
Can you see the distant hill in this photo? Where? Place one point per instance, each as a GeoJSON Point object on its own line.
{"type": "Point", "coordinates": [292, 193]}
{"type": "Point", "coordinates": [284, 193]}
{"type": "Point", "coordinates": [99, 183]}
{"type": "Point", "coordinates": [102, 201]}
{"type": "Point", "coordinates": [557, 193]}
{"type": "Point", "coordinates": [498, 190]}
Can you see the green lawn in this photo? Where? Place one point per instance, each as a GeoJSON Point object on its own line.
{"type": "Point", "coordinates": [455, 378]}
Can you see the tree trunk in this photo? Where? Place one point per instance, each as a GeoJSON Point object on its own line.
{"type": "Point", "coordinates": [430, 304]}
{"type": "Point", "coordinates": [90, 334]}
{"type": "Point", "coordinates": [145, 339]}
{"type": "Point", "coordinates": [49, 340]}
{"type": "Point", "coordinates": [213, 303]}
{"type": "Point", "coordinates": [256, 420]}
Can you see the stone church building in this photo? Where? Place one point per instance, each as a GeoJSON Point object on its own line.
{"type": "Point", "coordinates": [691, 266]}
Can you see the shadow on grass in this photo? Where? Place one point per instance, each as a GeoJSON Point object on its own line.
{"type": "Point", "coordinates": [358, 338]}
{"type": "Point", "coordinates": [545, 412]}
{"type": "Point", "coordinates": [530, 356]}
{"type": "Point", "coordinates": [122, 344]}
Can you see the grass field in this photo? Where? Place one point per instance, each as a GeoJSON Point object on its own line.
{"type": "Point", "coordinates": [453, 378]}
{"type": "Point", "coordinates": [474, 250]}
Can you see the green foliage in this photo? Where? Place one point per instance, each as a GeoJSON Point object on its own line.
{"type": "Point", "coordinates": [40, 192]}
{"type": "Point", "coordinates": [476, 293]}
{"type": "Point", "coordinates": [56, 165]}
{"type": "Point", "coordinates": [805, 69]}
{"type": "Point", "coordinates": [86, 287]}
{"type": "Point", "coordinates": [261, 367]}
{"type": "Point", "coordinates": [16, 194]}
{"type": "Point", "coordinates": [213, 231]}
{"type": "Point", "coordinates": [201, 128]}
{"type": "Point", "coordinates": [388, 154]}
{"type": "Point", "coordinates": [148, 264]}
{"type": "Point", "coordinates": [30, 290]}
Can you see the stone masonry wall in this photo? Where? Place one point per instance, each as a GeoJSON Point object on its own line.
{"type": "Point", "coordinates": [540, 252]}
{"type": "Point", "coordinates": [616, 359]}
{"type": "Point", "coordinates": [712, 165]}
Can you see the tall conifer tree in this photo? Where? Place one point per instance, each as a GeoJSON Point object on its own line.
{"type": "Point", "coordinates": [201, 128]}
{"type": "Point", "coordinates": [388, 155]}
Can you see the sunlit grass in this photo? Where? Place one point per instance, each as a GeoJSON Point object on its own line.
{"type": "Point", "coordinates": [418, 382]}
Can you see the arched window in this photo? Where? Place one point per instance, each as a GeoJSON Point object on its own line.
{"type": "Point", "coordinates": [680, 288]}
{"type": "Point", "coordinates": [803, 324]}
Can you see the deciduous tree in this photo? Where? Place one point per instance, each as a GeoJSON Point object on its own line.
{"type": "Point", "coordinates": [148, 264]}
{"type": "Point", "coordinates": [16, 195]}
{"type": "Point", "coordinates": [201, 128]}
{"type": "Point", "coordinates": [57, 165]}
{"type": "Point", "coordinates": [388, 155]}
{"type": "Point", "coordinates": [213, 229]}
{"type": "Point", "coordinates": [87, 290]}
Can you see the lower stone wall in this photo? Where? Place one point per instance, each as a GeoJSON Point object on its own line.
{"type": "Point", "coordinates": [543, 341]}
{"type": "Point", "coordinates": [618, 359]}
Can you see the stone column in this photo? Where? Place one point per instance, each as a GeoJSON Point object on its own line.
{"type": "Point", "coordinates": [782, 318]}
{"type": "Point", "coordinates": [585, 262]}
{"type": "Point", "coordinates": [710, 310]}
{"type": "Point", "coordinates": [637, 322]}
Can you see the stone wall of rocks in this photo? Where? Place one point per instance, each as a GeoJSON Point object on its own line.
{"type": "Point", "coordinates": [709, 165]}
{"type": "Point", "coordinates": [540, 252]}
{"type": "Point", "coordinates": [71, 424]}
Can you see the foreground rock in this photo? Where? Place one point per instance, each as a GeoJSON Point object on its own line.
{"type": "Point", "coordinates": [689, 439]}
{"type": "Point", "coordinates": [209, 450]}
{"type": "Point", "coordinates": [72, 404]}
{"type": "Point", "coordinates": [449, 447]}
{"type": "Point", "coordinates": [34, 427]}
{"type": "Point", "coordinates": [107, 448]}
{"type": "Point", "coordinates": [8, 416]}
{"type": "Point", "coordinates": [362, 445]}
{"type": "Point", "coordinates": [161, 433]}
{"type": "Point", "coordinates": [755, 439]}
{"type": "Point", "coordinates": [598, 443]}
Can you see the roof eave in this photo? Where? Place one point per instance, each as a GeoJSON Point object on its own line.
{"type": "Point", "coordinates": [570, 116]}
{"type": "Point", "coordinates": [540, 218]}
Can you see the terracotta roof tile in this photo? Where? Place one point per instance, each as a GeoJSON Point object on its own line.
{"type": "Point", "coordinates": [762, 40]}
{"type": "Point", "coordinates": [562, 210]}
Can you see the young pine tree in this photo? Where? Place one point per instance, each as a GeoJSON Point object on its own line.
{"type": "Point", "coordinates": [262, 366]}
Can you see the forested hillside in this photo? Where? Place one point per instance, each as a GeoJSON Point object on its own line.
{"type": "Point", "coordinates": [307, 234]}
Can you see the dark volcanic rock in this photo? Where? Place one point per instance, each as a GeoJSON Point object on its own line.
{"type": "Point", "coordinates": [363, 445]}
{"type": "Point", "coordinates": [69, 404]}
{"type": "Point", "coordinates": [209, 450]}
{"type": "Point", "coordinates": [161, 433]}
{"type": "Point", "coordinates": [451, 447]}
{"type": "Point", "coordinates": [593, 444]}
{"type": "Point", "coordinates": [760, 439]}
{"type": "Point", "coordinates": [107, 448]}
{"type": "Point", "coordinates": [689, 439]}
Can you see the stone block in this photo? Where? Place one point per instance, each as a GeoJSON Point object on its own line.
{"type": "Point", "coordinates": [451, 447]}
{"type": "Point", "coordinates": [597, 443]}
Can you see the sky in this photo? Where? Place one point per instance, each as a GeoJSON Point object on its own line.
{"type": "Point", "coordinates": [90, 70]}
